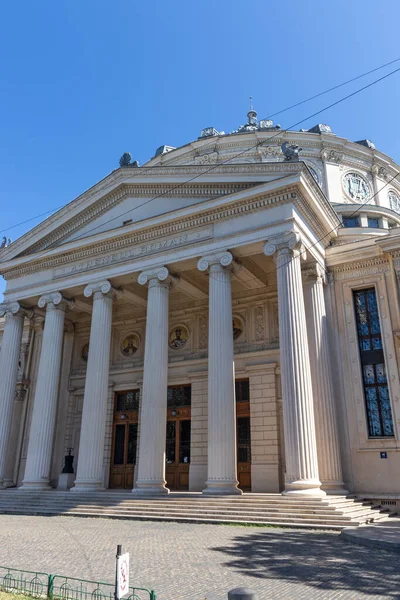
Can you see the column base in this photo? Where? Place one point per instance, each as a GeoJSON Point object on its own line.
{"type": "Point", "coordinates": [310, 488]}
{"type": "Point", "coordinates": [7, 483]}
{"type": "Point", "coordinates": [335, 488]}
{"type": "Point", "coordinates": [88, 486]}
{"type": "Point", "coordinates": [42, 486]}
{"type": "Point", "coordinates": [150, 488]}
{"type": "Point", "coordinates": [217, 487]}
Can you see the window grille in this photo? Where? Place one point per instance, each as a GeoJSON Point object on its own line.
{"type": "Point", "coordinates": [179, 396]}
{"type": "Point", "coordinates": [376, 390]}
{"type": "Point", "coordinates": [127, 401]}
{"type": "Point", "coordinates": [242, 390]}
{"type": "Point", "coordinates": [243, 439]}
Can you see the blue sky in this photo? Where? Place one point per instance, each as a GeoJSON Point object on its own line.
{"type": "Point", "coordinates": [83, 81]}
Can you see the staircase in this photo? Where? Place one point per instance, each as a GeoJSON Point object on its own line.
{"type": "Point", "coordinates": [331, 512]}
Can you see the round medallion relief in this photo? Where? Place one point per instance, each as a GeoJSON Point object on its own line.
{"type": "Point", "coordinates": [178, 337]}
{"type": "Point", "coordinates": [130, 345]}
{"type": "Point", "coordinates": [85, 353]}
{"type": "Point", "coordinates": [237, 326]}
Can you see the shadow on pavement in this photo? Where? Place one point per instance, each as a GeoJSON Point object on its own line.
{"type": "Point", "coordinates": [322, 561]}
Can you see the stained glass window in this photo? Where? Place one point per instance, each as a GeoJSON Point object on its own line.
{"type": "Point", "coordinates": [379, 413]}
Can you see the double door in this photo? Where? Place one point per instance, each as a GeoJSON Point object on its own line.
{"type": "Point", "coordinates": [177, 451]}
{"type": "Point", "coordinates": [124, 440]}
{"type": "Point", "coordinates": [125, 435]}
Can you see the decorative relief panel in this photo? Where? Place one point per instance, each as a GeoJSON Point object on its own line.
{"type": "Point", "coordinates": [203, 332]}
{"type": "Point", "coordinates": [273, 322]}
{"type": "Point", "coordinates": [259, 323]}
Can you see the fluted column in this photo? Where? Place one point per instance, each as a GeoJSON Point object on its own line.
{"type": "Point", "coordinates": [41, 435]}
{"type": "Point", "coordinates": [153, 414]}
{"type": "Point", "coordinates": [90, 472]}
{"type": "Point", "coordinates": [9, 357]}
{"type": "Point", "coordinates": [222, 461]}
{"type": "Point", "coordinates": [300, 445]}
{"type": "Point", "coordinates": [329, 463]}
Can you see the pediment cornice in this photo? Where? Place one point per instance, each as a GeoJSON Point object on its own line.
{"type": "Point", "coordinates": [124, 191]}
{"type": "Point", "coordinates": [204, 215]}
{"type": "Point", "coordinates": [148, 181]}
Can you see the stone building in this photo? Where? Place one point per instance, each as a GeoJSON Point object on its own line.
{"type": "Point", "coordinates": [224, 318]}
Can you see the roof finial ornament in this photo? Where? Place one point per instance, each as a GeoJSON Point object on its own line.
{"type": "Point", "coordinates": [252, 114]}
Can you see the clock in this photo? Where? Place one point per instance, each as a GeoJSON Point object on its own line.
{"type": "Point", "coordinates": [356, 187]}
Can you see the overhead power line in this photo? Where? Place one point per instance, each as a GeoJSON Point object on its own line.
{"type": "Point", "coordinates": [217, 137]}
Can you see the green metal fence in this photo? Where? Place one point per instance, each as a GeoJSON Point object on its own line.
{"type": "Point", "coordinates": [59, 587]}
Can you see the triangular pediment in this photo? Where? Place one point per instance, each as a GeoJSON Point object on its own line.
{"type": "Point", "coordinates": [126, 197]}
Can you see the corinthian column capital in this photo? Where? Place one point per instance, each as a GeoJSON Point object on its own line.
{"type": "Point", "coordinates": [156, 276]}
{"type": "Point", "coordinates": [290, 243]}
{"type": "Point", "coordinates": [56, 299]}
{"type": "Point", "coordinates": [16, 309]}
{"type": "Point", "coordinates": [220, 259]}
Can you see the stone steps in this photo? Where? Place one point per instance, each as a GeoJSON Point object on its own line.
{"type": "Point", "coordinates": [330, 512]}
{"type": "Point", "coordinates": [207, 508]}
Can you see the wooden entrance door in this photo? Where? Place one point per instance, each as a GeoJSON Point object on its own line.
{"type": "Point", "coordinates": [178, 437]}
{"type": "Point", "coordinates": [124, 439]}
{"type": "Point", "coordinates": [243, 437]}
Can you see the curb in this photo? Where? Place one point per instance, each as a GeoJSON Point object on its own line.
{"type": "Point", "coordinates": [351, 534]}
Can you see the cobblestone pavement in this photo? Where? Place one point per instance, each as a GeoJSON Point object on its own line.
{"type": "Point", "coordinates": [198, 562]}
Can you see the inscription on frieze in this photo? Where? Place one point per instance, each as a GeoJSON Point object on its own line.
{"type": "Point", "coordinates": [356, 274]}
{"type": "Point", "coordinates": [137, 251]}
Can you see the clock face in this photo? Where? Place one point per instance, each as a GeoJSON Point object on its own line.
{"type": "Point", "coordinates": [356, 187]}
{"type": "Point", "coordinates": [394, 201]}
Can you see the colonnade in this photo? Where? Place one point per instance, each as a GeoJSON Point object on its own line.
{"type": "Point", "coordinates": [311, 440]}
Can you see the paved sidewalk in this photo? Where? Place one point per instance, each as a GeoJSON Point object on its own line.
{"type": "Point", "coordinates": [197, 562]}
{"type": "Point", "coordinates": [383, 536]}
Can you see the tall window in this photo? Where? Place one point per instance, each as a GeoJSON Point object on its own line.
{"type": "Point", "coordinates": [376, 391]}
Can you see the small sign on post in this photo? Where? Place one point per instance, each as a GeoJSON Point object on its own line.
{"type": "Point", "coordinates": [121, 574]}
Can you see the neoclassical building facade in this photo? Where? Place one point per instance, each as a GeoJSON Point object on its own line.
{"type": "Point", "coordinates": [224, 318]}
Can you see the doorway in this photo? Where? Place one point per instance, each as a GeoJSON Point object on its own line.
{"type": "Point", "coordinates": [124, 439]}
{"type": "Point", "coordinates": [177, 452]}
{"type": "Point", "coordinates": [243, 435]}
